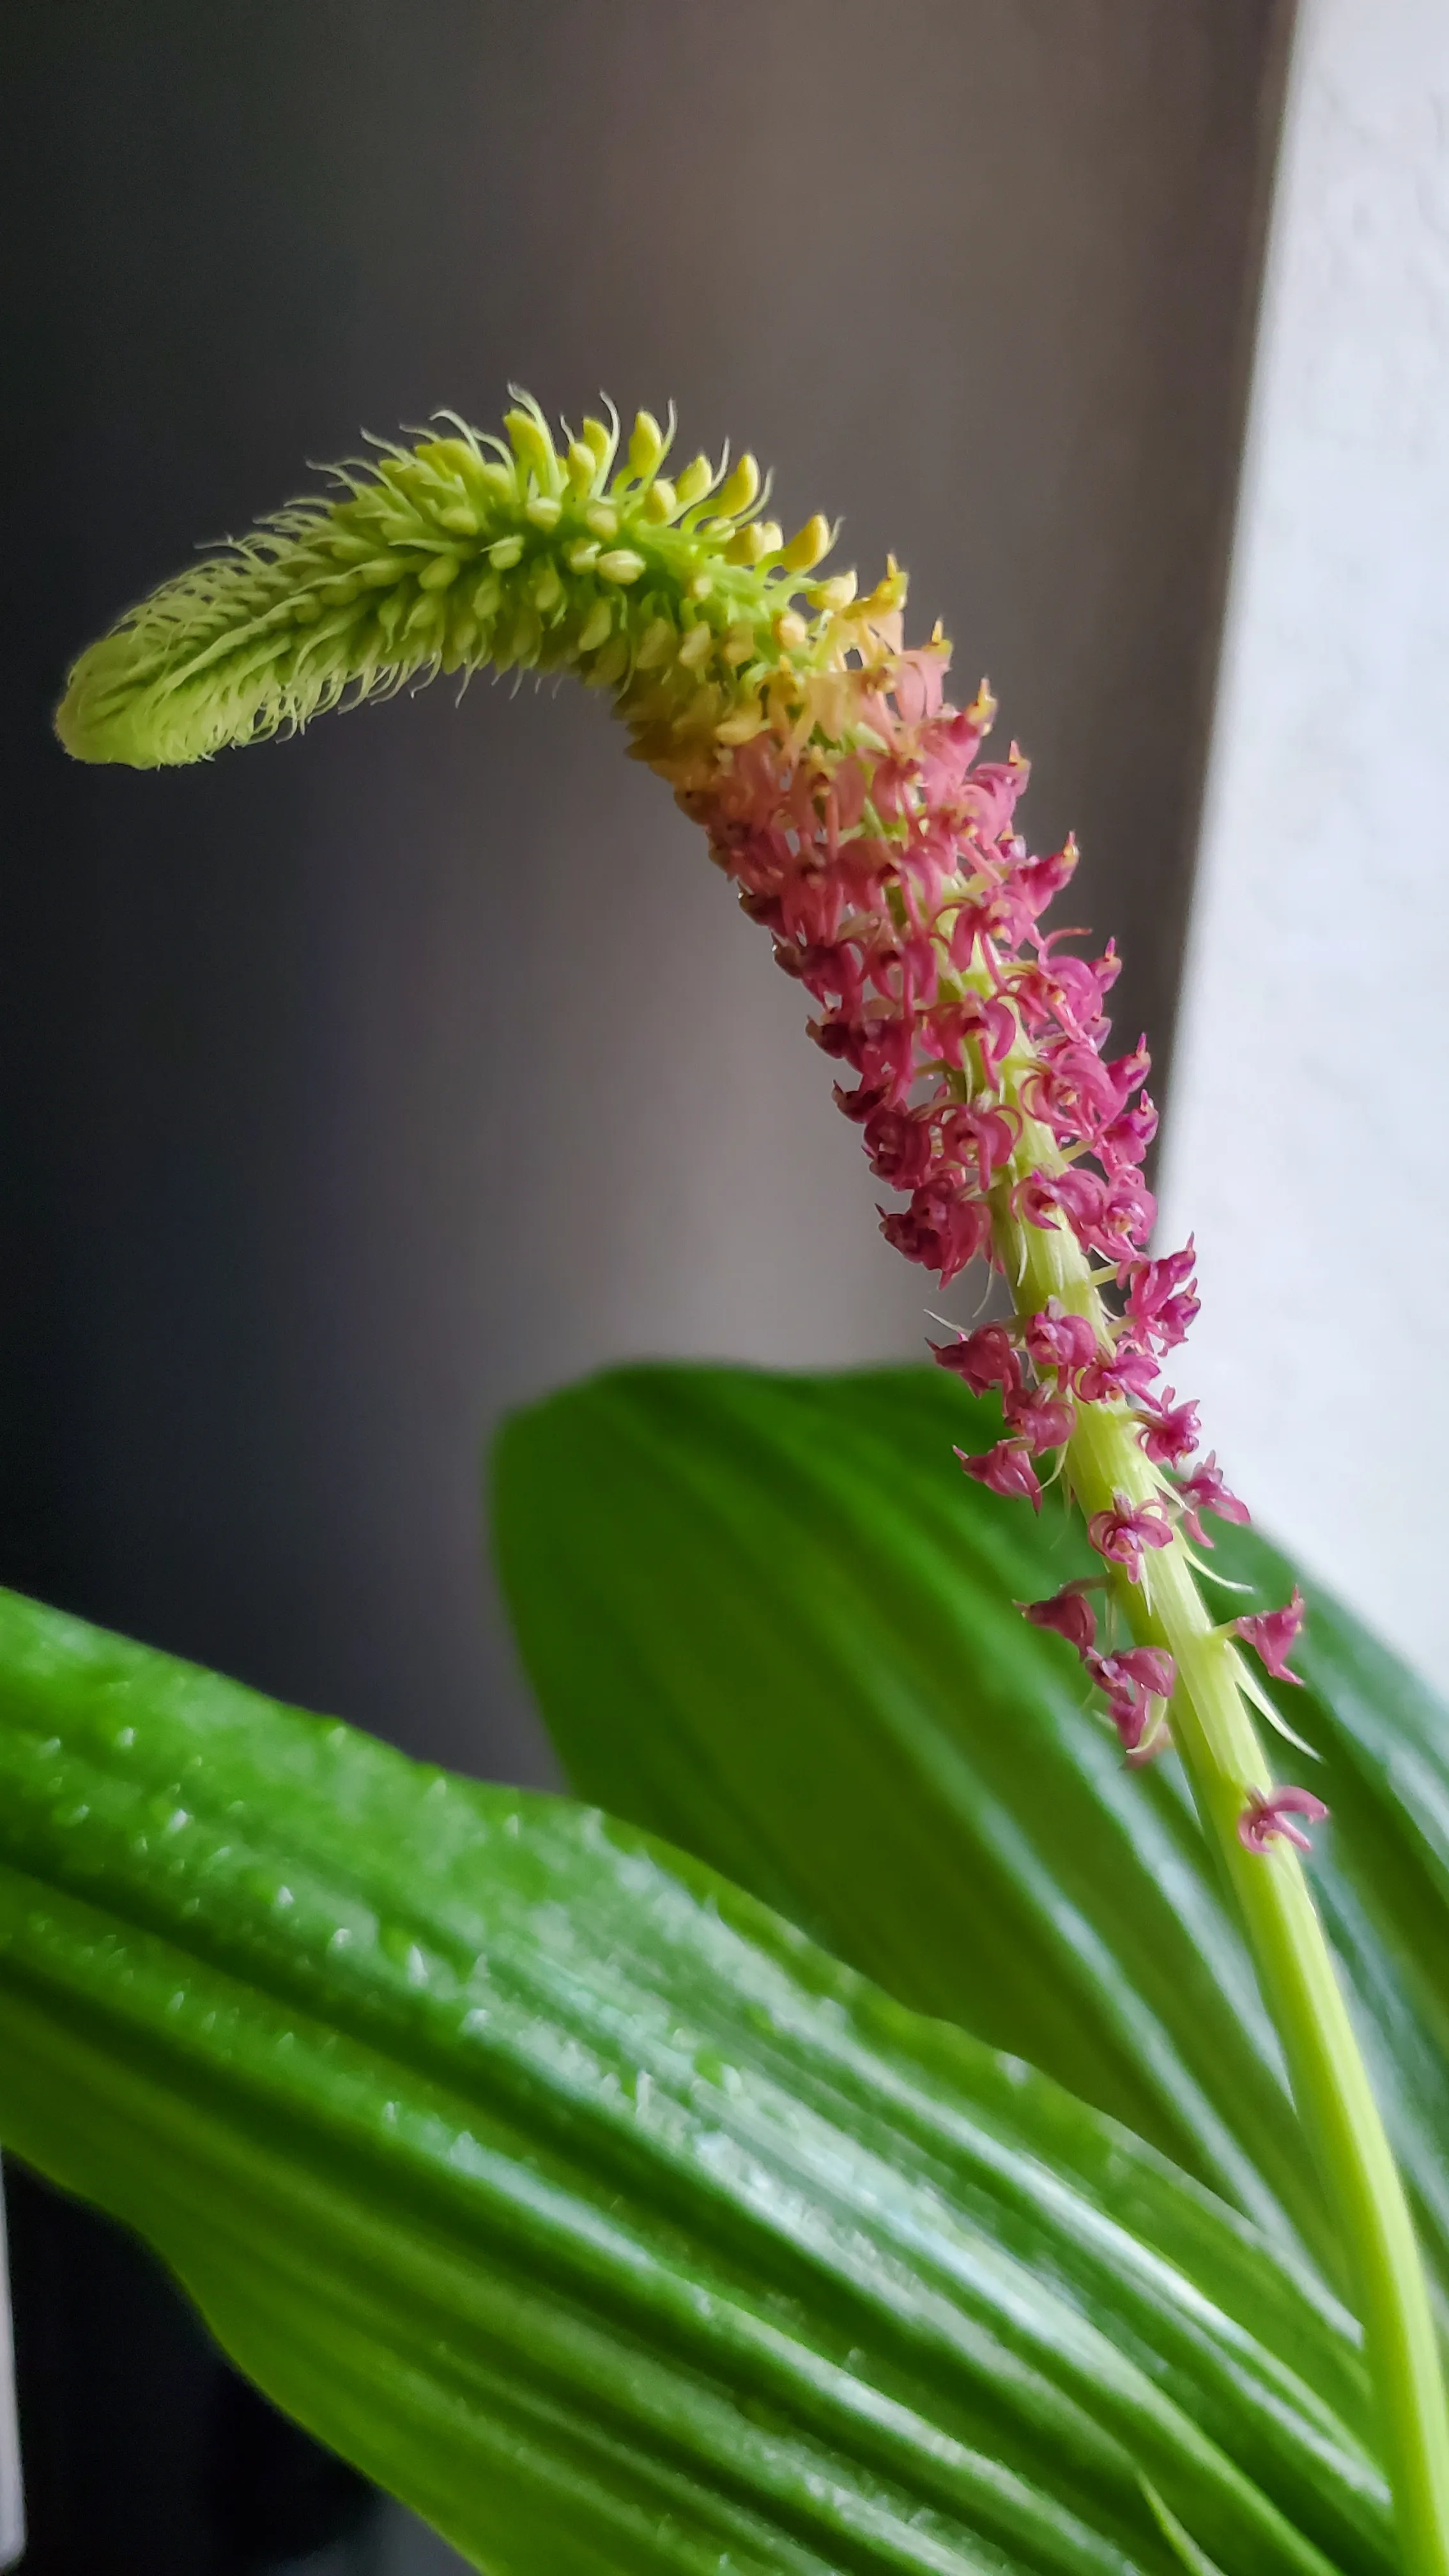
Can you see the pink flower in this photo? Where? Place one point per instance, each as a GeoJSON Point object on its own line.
{"type": "Point", "coordinates": [1120, 1372]}
{"type": "Point", "coordinates": [1127, 1138]}
{"type": "Point", "coordinates": [1265, 1821]}
{"type": "Point", "coordinates": [939, 1230]}
{"type": "Point", "coordinates": [1271, 1635]}
{"type": "Point", "coordinates": [1204, 1491]}
{"type": "Point", "coordinates": [1041, 1419]}
{"type": "Point", "coordinates": [1006, 1469]}
{"type": "Point", "coordinates": [1132, 1680]}
{"type": "Point", "coordinates": [1072, 1090]}
{"type": "Point", "coordinates": [1041, 880]}
{"type": "Point", "coordinates": [1161, 1296]}
{"type": "Point", "coordinates": [983, 1359]}
{"type": "Point", "coordinates": [1121, 1534]}
{"type": "Point", "coordinates": [986, 1137]}
{"type": "Point", "coordinates": [899, 1144]}
{"type": "Point", "coordinates": [1168, 1434]}
{"type": "Point", "coordinates": [1069, 1613]}
{"type": "Point", "coordinates": [1055, 1339]}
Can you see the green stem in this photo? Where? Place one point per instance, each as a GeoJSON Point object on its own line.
{"type": "Point", "coordinates": [1218, 1743]}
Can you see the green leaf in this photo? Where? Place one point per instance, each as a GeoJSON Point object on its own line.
{"type": "Point", "coordinates": [593, 2210]}
{"type": "Point", "coordinates": [765, 1616]}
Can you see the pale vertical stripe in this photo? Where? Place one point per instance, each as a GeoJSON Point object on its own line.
{"type": "Point", "coordinates": [1307, 1137]}
{"type": "Point", "coordinates": [12, 2498]}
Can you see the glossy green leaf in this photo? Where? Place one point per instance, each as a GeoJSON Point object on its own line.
{"type": "Point", "coordinates": [589, 2206]}
{"type": "Point", "coordinates": [766, 1617]}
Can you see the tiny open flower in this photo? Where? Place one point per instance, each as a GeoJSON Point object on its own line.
{"type": "Point", "coordinates": [1132, 1681]}
{"type": "Point", "coordinates": [1055, 1339]}
{"type": "Point", "coordinates": [1127, 1138]}
{"type": "Point", "coordinates": [983, 1137]}
{"type": "Point", "coordinates": [940, 1230]}
{"type": "Point", "coordinates": [898, 1142]}
{"type": "Point", "coordinates": [1041, 1419]}
{"type": "Point", "coordinates": [1265, 1821]}
{"type": "Point", "coordinates": [1069, 1613]}
{"type": "Point", "coordinates": [1006, 1469]}
{"type": "Point", "coordinates": [1168, 1434]}
{"type": "Point", "coordinates": [1272, 1634]}
{"type": "Point", "coordinates": [982, 1359]}
{"type": "Point", "coordinates": [1161, 1296]}
{"type": "Point", "coordinates": [1204, 1491]}
{"type": "Point", "coordinates": [1122, 1372]}
{"type": "Point", "coordinates": [1121, 1534]}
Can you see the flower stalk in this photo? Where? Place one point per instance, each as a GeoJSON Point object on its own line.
{"type": "Point", "coordinates": [1217, 1741]}
{"type": "Point", "coordinates": [848, 802]}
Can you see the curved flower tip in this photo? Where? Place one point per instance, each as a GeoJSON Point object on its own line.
{"type": "Point", "coordinates": [1271, 1633]}
{"type": "Point", "coordinates": [528, 552]}
{"type": "Point", "coordinates": [1265, 1821]}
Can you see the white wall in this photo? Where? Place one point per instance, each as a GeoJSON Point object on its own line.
{"type": "Point", "coordinates": [1307, 1141]}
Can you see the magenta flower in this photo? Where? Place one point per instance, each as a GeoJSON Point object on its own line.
{"type": "Point", "coordinates": [1272, 1633]}
{"type": "Point", "coordinates": [1068, 1613]}
{"type": "Point", "coordinates": [1057, 1340]}
{"type": "Point", "coordinates": [1161, 1299]}
{"type": "Point", "coordinates": [1122, 1533]}
{"type": "Point", "coordinates": [1133, 1681]}
{"type": "Point", "coordinates": [983, 1359]}
{"type": "Point", "coordinates": [1006, 1469]}
{"type": "Point", "coordinates": [1204, 1491]}
{"type": "Point", "coordinates": [1041, 1419]}
{"type": "Point", "coordinates": [1265, 1821]}
{"type": "Point", "coordinates": [1168, 1433]}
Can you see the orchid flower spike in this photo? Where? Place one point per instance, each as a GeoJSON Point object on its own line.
{"type": "Point", "coordinates": [854, 808]}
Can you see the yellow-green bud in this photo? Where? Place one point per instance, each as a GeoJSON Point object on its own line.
{"type": "Point", "coordinates": [532, 445]}
{"type": "Point", "coordinates": [611, 664]}
{"type": "Point", "coordinates": [741, 491]}
{"type": "Point", "coordinates": [544, 511]}
{"type": "Point", "coordinates": [834, 594]}
{"type": "Point", "coordinates": [437, 574]}
{"type": "Point", "coordinates": [622, 565]}
{"type": "Point", "coordinates": [647, 445]}
{"type": "Point", "coordinates": [694, 482]}
{"type": "Point", "coordinates": [596, 626]}
{"type": "Point", "coordinates": [656, 644]}
{"type": "Point", "coordinates": [661, 500]}
{"type": "Point", "coordinates": [808, 545]}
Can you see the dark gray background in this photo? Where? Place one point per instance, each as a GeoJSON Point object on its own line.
{"type": "Point", "coordinates": [359, 1087]}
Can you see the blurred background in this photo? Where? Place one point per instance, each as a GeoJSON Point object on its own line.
{"type": "Point", "coordinates": [357, 1090]}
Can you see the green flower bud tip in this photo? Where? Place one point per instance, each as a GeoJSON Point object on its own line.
{"type": "Point", "coordinates": [466, 552]}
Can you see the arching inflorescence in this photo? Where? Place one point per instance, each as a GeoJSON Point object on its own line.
{"type": "Point", "coordinates": [850, 803]}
